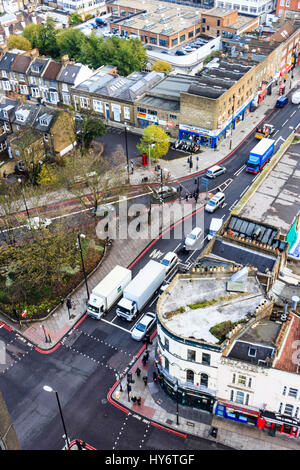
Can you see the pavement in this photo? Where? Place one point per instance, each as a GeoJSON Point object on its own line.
{"type": "Point", "coordinates": [159, 409]}
{"type": "Point", "coordinates": [156, 406]}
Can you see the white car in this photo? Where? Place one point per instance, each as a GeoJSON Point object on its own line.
{"type": "Point", "coordinates": [143, 326]}
{"type": "Point", "coordinates": [296, 97]}
{"type": "Point", "coordinates": [192, 238]}
{"type": "Point", "coordinates": [38, 222]}
{"type": "Point", "coordinates": [169, 260]}
{"type": "Point", "coordinates": [108, 34]}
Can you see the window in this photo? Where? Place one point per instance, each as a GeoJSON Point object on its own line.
{"type": "Point", "coordinates": [297, 412]}
{"type": "Point", "coordinates": [242, 380]}
{"type": "Point", "coordinates": [293, 392]}
{"type": "Point", "coordinates": [152, 112]}
{"type": "Point", "coordinates": [249, 382]}
{"type": "Point", "coordinates": [203, 20]}
{"type": "Point", "coordinates": [252, 352]}
{"type": "Point", "coordinates": [52, 84]}
{"type": "Point", "coordinates": [98, 106]}
{"type": "Point", "coordinates": [84, 102]}
{"type": "Point", "coordinates": [282, 3]}
{"type": "Point", "coordinates": [166, 364]}
{"type": "Point", "coordinates": [6, 85]}
{"type": "Point", "coordinates": [141, 110]}
{"type": "Point", "coordinates": [280, 408]}
{"type": "Point", "coordinates": [191, 355]}
{"type": "Point", "coordinates": [206, 359]}
{"type": "Point", "coordinates": [166, 344]}
{"type": "Point", "coordinates": [218, 22]}
{"type": "Point", "coordinates": [174, 41]}
{"type": "Point", "coordinates": [236, 7]}
{"type": "Point", "coordinates": [172, 116]}
{"type": "Point", "coordinates": [126, 112]}
{"type": "Point", "coordinates": [253, 10]}
{"type": "Point", "coordinates": [207, 28]}
{"type": "Point", "coordinates": [66, 98]}
{"type": "Point", "coordinates": [204, 380]}
{"type": "Point", "coordinates": [23, 89]}
{"type": "Point", "coordinates": [190, 376]}
{"type": "Point", "coordinates": [46, 137]}
{"type": "Point", "coordinates": [288, 410]}
{"type": "Point", "coordinates": [182, 38]}
{"type": "Point", "coordinates": [153, 40]}
{"type": "Point", "coordinates": [163, 42]}
{"type": "Point", "coordinates": [4, 74]}
{"type": "Point", "coordinates": [231, 395]}
{"type": "Point", "coordinates": [64, 87]}
{"type": "Point", "coordinates": [233, 378]}
{"type": "Point", "coordinates": [191, 34]}
{"type": "Point", "coordinates": [54, 97]}
{"type": "Point", "coordinates": [284, 390]}
{"type": "Point", "coordinates": [21, 77]}
{"type": "Point", "coordinates": [33, 80]}
{"type": "Point", "coordinates": [13, 76]}
{"type": "Point", "coordinates": [244, 8]}
{"type": "Point", "coordinates": [239, 397]}
{"type": "Point", "coordinates": [197, 30]}
{"type": "Point", "coordinates": [35, 92]}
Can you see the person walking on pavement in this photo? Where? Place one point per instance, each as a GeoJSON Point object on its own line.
{"type": "Point", "coordinates": [186, 197]}
{"type": "Point", "coordinates": [138, 371]}
{"type": "Point", "coordinates": [145, 379]}
{"type": "Point", "coordinates": [147, 355]}
{"type": "Point", "coordinates": [144, 360]}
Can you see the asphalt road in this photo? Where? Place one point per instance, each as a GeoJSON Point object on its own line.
{"type": "Point", "coordinates": [83, 369]}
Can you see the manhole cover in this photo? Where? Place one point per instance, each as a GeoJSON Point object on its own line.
{"type": "Point", "coordinates": [104, 401]}
{"type": "Point", "coordinates": [169, 421]}
{"type": "Point", "coordinates": [189, 423]}
{"type": "Point", "coordinates": [159, 402]}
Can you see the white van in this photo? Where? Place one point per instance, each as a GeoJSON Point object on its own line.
{"type": "Point", "coordinates": [215, 171]}
{"type": "Point", "coordinates": [192, 237]}
{"type": "Point", "coordinates": [215, 202]}
{"type": "Point", "coordinates": [296, 97]}
{"type": "Point", "coordinates": [214, 227]}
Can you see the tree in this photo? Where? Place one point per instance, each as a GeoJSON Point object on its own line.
{"type": "Point", "coordinates": [161, 66]}
{"type": "Point", "coordinates": [155, 137]}
{"type": "Point", "coordinates": [69, 42]}
{"type": "Point", "coordinates": [90, 128]}
{"type": "Point", "coordinates": [75, 19]}
{"type": "Point", "coordinates": [31, 33]}
{"type": "Point", "coordinates": [18, 42]}
{"type": "Point", "coordinates": [47, 40]}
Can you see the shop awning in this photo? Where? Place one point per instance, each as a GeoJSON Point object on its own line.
{"type": "Point", "coordinates": [263, 93]}
{"type": "Point", "coordinates": [285, 69]}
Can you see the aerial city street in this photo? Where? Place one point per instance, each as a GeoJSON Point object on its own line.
{"type": "Point", "coordinates": [150, 227]}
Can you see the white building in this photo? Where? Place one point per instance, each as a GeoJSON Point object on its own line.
{"type": "Point", "coordinates": [248, 7]}
{"type": "Point", "coordinates": [81, 6]}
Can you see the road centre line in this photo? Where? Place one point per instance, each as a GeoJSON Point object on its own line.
{"type": "Point", "coordinates": [113, 324]}
{"type": "Point", "coordinates": [284, 123]}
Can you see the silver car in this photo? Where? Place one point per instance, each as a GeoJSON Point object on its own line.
{"type": "Point", "coordinates": [164, 191]}
{"type": "Point", "coordinates": [143, 326]}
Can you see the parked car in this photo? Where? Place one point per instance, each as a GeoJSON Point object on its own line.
{"type": "Point", "coordinates": [143, 326]}
{"type": "Point", "coordinates": [163, 192]}
{"type": "Point", "coordinates": [164, 52]}
{"type": "Point", "coordinates": [107, 34]}
{"type": "Point", "coordinates": [100, 22]}
{"type": "Point", "coordinates": [169, 260]}
{"type": "Point", "coordinates": [178, 52]}
{"type": "Point", "coordinates": [192, 238]}
{"type": "Point", "coordinates": [215, 202]}
{"type": "Point", "coordinates": [215, 171]}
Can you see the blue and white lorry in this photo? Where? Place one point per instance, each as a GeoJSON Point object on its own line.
{"type": "Point", "coordinates": [108, 291]}
{"type": "Point", "coordinates": [140, 290]}
{"type": "Point", "coordinates": [260, 155]}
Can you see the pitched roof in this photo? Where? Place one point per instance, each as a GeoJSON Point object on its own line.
{"type": "Point", "coordinates": [283, 33]}
{"type": "Point", "coordinates": [21, 63]}
{"type": "Point", "coordinates": [38, 66]}
{"type": "Point", "coordinates": [69, 74]}
{"type": "Point", "coordinates": [7, 60]}
{"type": "Point", "coordinates": [52, 70]}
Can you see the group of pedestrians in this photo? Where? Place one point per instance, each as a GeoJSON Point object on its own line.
{"type": "Point", "coordinates": [194, 195]}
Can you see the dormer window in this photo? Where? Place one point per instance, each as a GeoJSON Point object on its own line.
{"type": "Point", "coordinates": [45, 119]}
{"type": "Point", "coordinates": [35, 68]}
{"type": "Point", "coordinates": [22, 115]}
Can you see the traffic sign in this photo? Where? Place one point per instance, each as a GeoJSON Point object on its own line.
{"type": "Point", "coordinates": [205, 181]}
{"type": "Point", "coordinates": [24, 313]}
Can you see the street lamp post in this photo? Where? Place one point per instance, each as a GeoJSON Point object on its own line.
{"type": "Point", "coordinates": [50, 389]}
{"type": "Point", "coordinates": [150, 147]}
{"type": "Point", "coordinates": [24, 199]}
{"type": "Point", "coordinates": [126, 148]}
{"type": "Point", "coordinates": [233, 102]}
{"type": "Point", "coordinates": [177, 410]}
{"type": "Point", "coordinates": [81, 235]}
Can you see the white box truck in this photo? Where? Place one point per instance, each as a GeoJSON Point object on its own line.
{"type": "Point", "coordinates": [108, 291]}
{"type": "Point", "coordinates": [215, 225]}
{"type": "Point", "coordinates": [140, 290]}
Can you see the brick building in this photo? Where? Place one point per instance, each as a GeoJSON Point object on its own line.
{"type": "Point", "coordinates": [288, 8]}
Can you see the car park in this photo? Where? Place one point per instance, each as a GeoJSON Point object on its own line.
{"type": "Point", "coordinates": [143, 326]}
{"type": "Point", "coordinates": [215, 171]}
{"type": "Point", "coordinates": [169, 260]}
{"type": "Point", "coordinates": [192, 238]}
{"type": "Point", "coordinates": [216, 201]}
{"type": "Point", "coordinates": [164, 191]}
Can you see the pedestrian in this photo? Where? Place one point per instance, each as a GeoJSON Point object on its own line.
{"type": "Point", "coordinates": [196, 197]}
{"type": "Point", "coordinates": [138, 400]}
{"type": "Point", "coordinates": [138, 371]}
{"type": "Point", "coordinates": [133, 399]}
{"type": "Point", "coordinates": [186, 196]}
{"type": "Point", "coordinates": [154, 377]}
{"type": "Point", "coordinates": [147, 355]}
{"type": "Point", "coordinates": [131, 165]}
{"type": "Point", "coordinates": [145, 379]}
{"type": "Point", "coordinates": [144, 361]}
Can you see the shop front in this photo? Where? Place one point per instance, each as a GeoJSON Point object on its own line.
{"type": "Point", "coordinates": [237, 413]}
{"type": "Point", "coordinates": [276, 423]}
{"type": "Point", "coordinates": [184, 393]}
{"type": "Point", "coordinates": [197, 135]}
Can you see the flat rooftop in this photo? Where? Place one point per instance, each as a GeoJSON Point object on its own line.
{"type": "Point", "coordinates": [242, 255]}
{"type": "Point", "coordinates": [196, 323]}
{"type": "Point", "coordinates": [277, 200]}
{"type": "Point", "coordinates": [286, 359]}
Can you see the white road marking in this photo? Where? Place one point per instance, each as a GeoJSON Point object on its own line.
{"type": "Point", "coordinates": [284, 123]}
{"type": "Point", "coordinates": [239, 170]}
{"type": "Point", "coordinates": [275, 132]}
{"type": "Point", "coordinates": [113, 324]}
{"type": "Point", "coordinates": [174, 251]}
{"type": "Point", "coordinates": [232, 205]}
{"type": "Point", "coordinates": [244, 191]}
{"type": "Point", "coordinates": [293, 113]}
